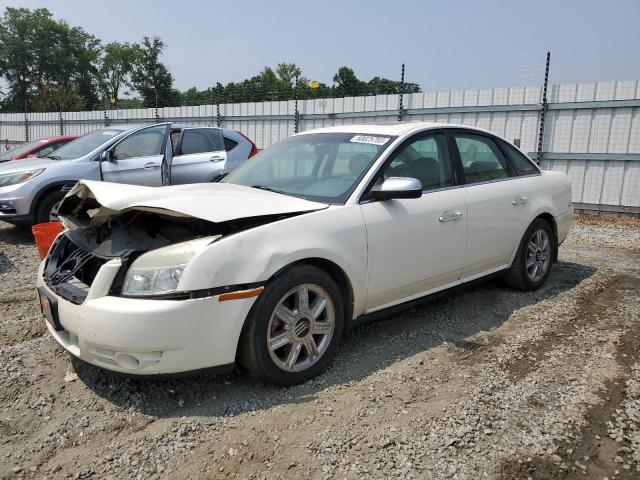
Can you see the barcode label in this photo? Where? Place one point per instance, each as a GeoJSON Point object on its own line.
{"type": "Point", "coordinates": [370, 139]}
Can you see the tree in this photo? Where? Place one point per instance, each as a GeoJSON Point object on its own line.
{"type": "Point", "coordinates": [116, 66]}
{"type": "Point", "coordinates": [46, 63]}
{"type": "Point", "coordinates": [151, 78]}
{"type": "Point", "coordinates": [381, 86]}
{"type": "Point", "coordinates": [71, 79]}
{"type": "Point", "coordinates": [20, 30]}
{"type": "Point", "coordinates": [347, 84]}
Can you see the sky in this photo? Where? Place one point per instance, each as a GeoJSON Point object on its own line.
{"type": "Point", "coordinates": [444, 44]}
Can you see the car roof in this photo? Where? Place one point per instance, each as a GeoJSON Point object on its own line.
{"type": "Point", "coordinates": [395, 129]}
{"type": "Point", "coordinates": [59, 137]}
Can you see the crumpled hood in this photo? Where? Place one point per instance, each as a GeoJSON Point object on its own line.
{"type": "Point", "coordinates": [214, 202]}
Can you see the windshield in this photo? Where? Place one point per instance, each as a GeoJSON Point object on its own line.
{"type": "Point", "coordinates": [323, 167]}
{"type": "Point", "coordinates": [85, 144]}
{"type": "Point", "coordinates": [25, 147]}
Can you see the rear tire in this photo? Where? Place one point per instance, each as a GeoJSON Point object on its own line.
{"type": "Point", "coordinates": [286, 339]}
{"type": "Point", "coordinates": [532, 264]}
{"type": "Point", "coordinates": [46, 206]}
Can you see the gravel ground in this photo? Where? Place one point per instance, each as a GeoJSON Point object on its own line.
{"type": "Point", "coordinates": [487, 383]}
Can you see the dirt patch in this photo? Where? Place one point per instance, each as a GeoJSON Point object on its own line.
{"type": "Point", "coordinates": [590, 306]}
{"type": "Point", "coordinates": [596, 453]}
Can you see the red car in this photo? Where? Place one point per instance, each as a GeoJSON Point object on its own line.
{"type": "Point", "coordinates": [36, 148]}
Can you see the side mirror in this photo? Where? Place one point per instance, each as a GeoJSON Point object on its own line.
{"type": "Point", "coordinates": [107, 156]}
{"type": "Point", "coordinates": [398, 187]}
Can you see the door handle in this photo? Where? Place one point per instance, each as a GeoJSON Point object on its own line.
{"type": "Point", "coordinates": [449, 216]}
{"type": "Point", "coordinates": [151, 166]}
{"type": "Point", "coordinates": [216, 158]}
{"type": "Point", "coordinates": [519, 200]}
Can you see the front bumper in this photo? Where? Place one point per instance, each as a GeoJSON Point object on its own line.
{"type": "Point", "coordinates": [148, 337]}
{"type": "Point", "coordinates": [15, 202]}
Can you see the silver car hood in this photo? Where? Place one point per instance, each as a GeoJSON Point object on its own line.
{"type": "Point", "coordinates": [14, 166]}
{"type": "Point", "coordinates": [214, 202]}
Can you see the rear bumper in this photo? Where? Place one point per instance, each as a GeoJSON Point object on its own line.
{"type": "Point", "coordinates": [150, 337]}
{"type": "Point", "coordinates": [564, 221]}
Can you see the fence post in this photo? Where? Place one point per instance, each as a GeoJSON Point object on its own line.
{"type": "Point", "coordinates": [218, 118]}
{"type": "Point", "coordinates": [26, 121]}
{"type": "Point", "coordinates": [106, 117]}
{"type": "Point", "coordinates": [401, 107]}
{"type": "Point", "coordinates": [61, 121]}
{"type": "Point", "coordinates": [296, 117]}
{"type": "Point", "coordinates": [543, 109]}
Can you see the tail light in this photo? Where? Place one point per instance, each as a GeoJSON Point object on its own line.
{"type": "Point", "coordinates": [254, 147]}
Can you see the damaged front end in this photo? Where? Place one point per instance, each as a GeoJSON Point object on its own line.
{"type": "Point", "coordinates": [96, 234]}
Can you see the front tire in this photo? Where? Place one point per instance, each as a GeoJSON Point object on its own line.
{"type": "Point", "coordinates": [532, 264]}
{"type": "Point", "coordinates": [46, 209]}
{"type": "Point", "coordinates": [293, 330]}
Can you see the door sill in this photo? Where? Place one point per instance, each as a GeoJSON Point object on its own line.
{"type": "Point", "coordinates": [430, 295]}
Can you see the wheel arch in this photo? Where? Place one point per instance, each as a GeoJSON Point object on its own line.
{"type": "Point", "coordinates": [58, 185]}
{"type": "Point", "coordinates": [550, 219]}
{"type": "Point", "coordinates": [337, 273]}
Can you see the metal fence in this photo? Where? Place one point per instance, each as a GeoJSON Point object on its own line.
{"type": "Point", "coordinates": [591, 131]}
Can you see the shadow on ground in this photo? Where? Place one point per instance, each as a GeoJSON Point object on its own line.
{"type": "Point", "coordinates": [369, 348]}
{"type": "Point", "coordinates": [15, 235]}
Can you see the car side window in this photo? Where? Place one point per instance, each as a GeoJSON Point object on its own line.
{"type": "Point", "coordinates": [524, 166]}
{"type": "Point", "coordinates": [47, 150]}
{"type": "Point", "coordinates": [144, 143]}
{"type": "Point", "coordinates": [482, 160]}
{"type": "Point", "coordinates": [425, 158]}
{"type": "Point", "coordinates": [200, 140]}
{"type": "Point", "coordinates": [229, 144]}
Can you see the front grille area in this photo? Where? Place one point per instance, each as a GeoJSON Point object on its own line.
{"type": "Point", "coordinates": [70, 270]}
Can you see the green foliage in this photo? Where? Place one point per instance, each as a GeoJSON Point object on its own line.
{"type": "Point", "coordinates": [151, 78]}
{"type": "Point", "coordinates": [49, 65]}
{"type": "Point", "coordinates": [115, 68]}
{"type": "Point", "coordinates": [280, 84]}
{"type": "Point", "coordinates": [46, 63]}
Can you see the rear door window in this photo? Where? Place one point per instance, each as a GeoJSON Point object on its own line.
{"type": "Point", "coordinates": [524, 166]}
{"type": "Point", "coordinates": [201, 140]}
{"type": "Point", "coordinates": [229, 144]}
{"type": "Point", "coordinates": [482, 160]}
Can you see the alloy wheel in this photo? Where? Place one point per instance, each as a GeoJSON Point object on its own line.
{"type": "Point", "coordinates": [538, 255]}
{"type": "Point", "coordinates": [300, 328]}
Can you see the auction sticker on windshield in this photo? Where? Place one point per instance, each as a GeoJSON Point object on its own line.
{"type": "Point", "coordinates": [370, 139]}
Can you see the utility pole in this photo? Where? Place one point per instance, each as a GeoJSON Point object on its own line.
{"type": "Point", "coordinates": [543, 108]}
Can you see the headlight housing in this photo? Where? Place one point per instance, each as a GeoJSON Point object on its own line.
{"type": "Point", "coordinates": [152, 281]}
{"type": "Point", "coordinates": [158, 272]}
{"type": "Point", "coordinates": [18, 177]}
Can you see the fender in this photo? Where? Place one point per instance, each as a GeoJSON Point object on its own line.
{"type": "Point", "coordinates": [260, 253]}
{"type": "Point", "coordinates": [62, 185]}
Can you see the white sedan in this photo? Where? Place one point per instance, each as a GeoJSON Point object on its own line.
{"type": "Point", "coordinates": [271, 266]}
